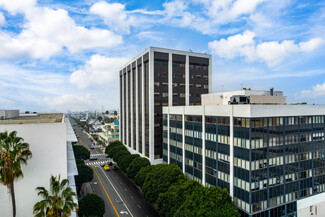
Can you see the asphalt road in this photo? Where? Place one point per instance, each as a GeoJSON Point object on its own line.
{"type": "Point", "coordinates": [121, 198]}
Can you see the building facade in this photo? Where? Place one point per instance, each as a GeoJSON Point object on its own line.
{"type": "Point", "coordinates": [110, 132]}
{"type": "Point", "coordinates": [271, 158]}
{"type": "Point", "coordinates": [158, 77]}
{"type": "Point", "coordinates": [50, 137]}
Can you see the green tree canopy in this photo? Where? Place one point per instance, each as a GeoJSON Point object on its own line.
{"type": "Point", "coordinates": [91, 205]}
{"type": "Point", "coordinates": [208, 202]}
{"type": "Point", "coordinates": [125, 161]}
{"type": "Point", "coordinates": [113, 145]}
{"type": "Point", "coordinates": [159, 179]}
{"type": "Point", "coordinates": [85, 174]}
{"type": "Point", "coordinates": [114, 150]}
{"type": "Point", "coordinates": [136, 165]}
{"type": "Point", "coordinates": [142, 174]}
{"type": "Point", "coordinates": [13, 152]}
{"type": "Point", "coordinates": [80, 152]}
{"type": "Point", "coordinates": [171, 200]}
{"type": "Point", "coordinates": [58, 201]}
{"type": "Point", "coordinates": [119, 154]}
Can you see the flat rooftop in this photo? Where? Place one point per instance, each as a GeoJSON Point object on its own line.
{"type": "Point", "coordinates": [35, 119]}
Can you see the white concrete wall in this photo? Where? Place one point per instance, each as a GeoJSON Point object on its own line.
{"type": "Point", "coordinates": [9, 113]}
{"type": "Point", "coordinates": [315, 203]}
{"type": "Point", "coordinates": [48, 145]}
{"type": "Point", "coordinates": [247, 110]}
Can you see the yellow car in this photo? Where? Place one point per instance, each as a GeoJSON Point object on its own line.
{"type": "Point", "coordinates": [106, 167]}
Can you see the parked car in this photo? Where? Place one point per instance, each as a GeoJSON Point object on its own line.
{"type": "Point", "coordinates": [102, 164]}
{"type": "Point", "coordinates": [92, 147]}
{"type": "Point", "coordinates": [106, 167]}
{"type": "Point", "coordinates": [110, 163]}
{"type": "Point", "coordinates": [114, 167]}
{"type": "Point", "coordinates": [92, 158]}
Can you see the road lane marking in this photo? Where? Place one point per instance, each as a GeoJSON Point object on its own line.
{"type": "Point", "coordinates": [132, 198]}
{"type": "Point", "coordinates": [125, 189]}
{"type": "Point", "coordinates": [106, 192]}
{"type": "Point", "coordinates": [116, 191]}
{"type": "Point", "coordinates": [139, 206]}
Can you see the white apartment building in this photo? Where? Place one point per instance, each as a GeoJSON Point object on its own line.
{"type": "Point", "coordinates": [50, 137]}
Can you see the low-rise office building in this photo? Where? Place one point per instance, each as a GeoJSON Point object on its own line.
{"type": "Point", "coordinates": [50, 137]}
{"type": "Point", "coordinates": [267, 154]}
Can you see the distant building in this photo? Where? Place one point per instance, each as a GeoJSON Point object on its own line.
{"type": "Point", "coordinates": [110, 132]}
{"type": "Point", "coordinates": [155, 78]}
{"type": "Point", "coordinates": [269, 155]}
{"type": "Point", "coordinates": [50, 137]}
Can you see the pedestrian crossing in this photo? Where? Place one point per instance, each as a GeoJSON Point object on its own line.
{"type": "Point", "coordinates": [97, 155]}
{"type": "Point", "coordinates": [96, 163]}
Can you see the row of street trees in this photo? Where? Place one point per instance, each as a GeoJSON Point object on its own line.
{"type": "Point", "coordinates": [57, 202]}
{"type": "Point", "coordinates": [127, 162]}
{"type": "Point", "coordinates": [166, 187]}
{"type": "Point", "coordinates": [91, 205]}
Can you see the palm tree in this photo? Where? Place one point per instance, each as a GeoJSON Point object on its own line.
{"type": "Point", "coordinates": [58, 202]}
{"type": "Point", "coordinates": [13, 152]}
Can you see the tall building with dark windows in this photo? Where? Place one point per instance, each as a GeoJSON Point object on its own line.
{"type": "Point", "coordinates": [155, 78]}
{"type": "Point", "coordinates": [269, 155]}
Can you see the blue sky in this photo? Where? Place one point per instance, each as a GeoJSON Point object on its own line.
{"type": "Point", "coordinates": [59, 55]}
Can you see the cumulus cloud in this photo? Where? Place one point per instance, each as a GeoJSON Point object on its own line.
{"type": "Point", "coordinates": [317, 90]}
{"type": "Point", "coordinates": [114, 15]}
{"type": "Point", "coordinates": [272, 53]}
{"type": "Point", "coordinates": [47, 32]}
{"type": "Point", "coordinates": [17, 6]}
{"type": "Point", "coordinates": [214, 13]}
{"type": "Point", "coordinates": [69, 101]}
{"type": "Point", "coordinates": [237, 45]}
{"type": "Point", "coordinates": [99, 70]}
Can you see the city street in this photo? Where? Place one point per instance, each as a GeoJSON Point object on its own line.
{"type": "Point", "coordinates": [120, 196]}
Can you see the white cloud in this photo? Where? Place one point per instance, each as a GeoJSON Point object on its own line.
{"type": "Point", "coordinates": [175, 8]}
{"type": "Point", "coordinates": [114, 15]}
{"type": "Point", "coordinates": [272, 53]}
{"type": "Point", "coordinates": [99, 70]}
{"type": "Point", "coordinates": [2, 19]}
{"type": "Point", "coordinates": [317, 90]}
{"type": "Point", "coordinates": [17, 6]}
{"type": "Point", "coordinates": [237, 45]}
{"type": "Point", "coordinates": [213, 14]}
{"type": "Point", "coordinates": [69, 101]}
{"type": "Point", "coordinates": [46, 32]}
